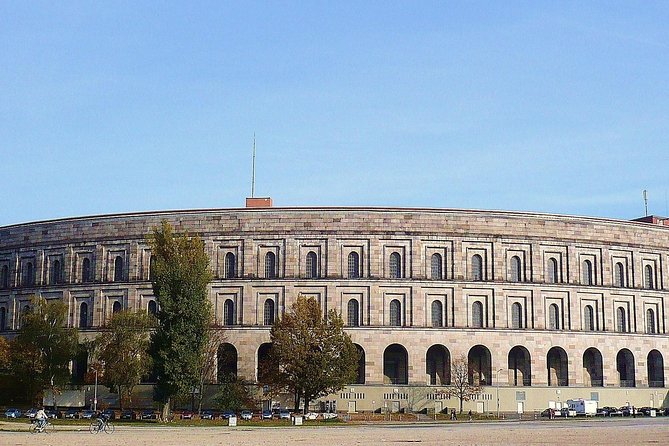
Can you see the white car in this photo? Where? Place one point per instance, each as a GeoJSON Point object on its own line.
{"type": "Point", "coordinates": [329, 415]}
{"type": "Point", "coordinates": [310, 416]}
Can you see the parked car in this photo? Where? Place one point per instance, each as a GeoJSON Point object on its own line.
{"type": "Point", "coordinates": [228, 413]}
{"type": "Point", "coordinates": [626, 411]}
{"type": "Point", "coordinates": [266, 414]}
{"type": "Point", "coordinates": [13, 413]}
{"type": "Point", "coordinates": [207, 415]}
{"type": "Point", "coordinates": [88, 414]}
{"type": "Point", "coordinates": [53, 413]}
{"type": "Point", "coordinates": [284, 415]}
{"type": "Point", "coordinates": [109, 413]}
{"type": "Point", "coordinates": [72, 414]}
{"type": "Point", "coordinates": [644, 411]}
{"type": "Point", "coordinates": [149, 415]}
{"type": "Point", "coordinates": [310, 416]}
{"type": "Point", "coordinates": [329, 415]}
{"type": "Point", "coordinates": [30, 413]}
{"type": "Point", "coordinates": [128, 415]}
{"type": "Point", "coordinates": [246, 415]}
{"type": "Point", "coordinates": [602, 412]}
{"type": "Point", "coordinates": [186, 415]}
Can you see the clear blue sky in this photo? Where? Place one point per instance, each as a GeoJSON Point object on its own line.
{"type": "Point", "coordinates": [558, 107]}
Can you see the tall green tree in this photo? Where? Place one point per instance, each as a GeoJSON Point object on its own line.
{"type": "Point", "coordinates": [315, 356]}
{"type": "Point", "coordinates": [180, 277]}
{"type": "Point", "coordinates": [44, 347]}
{"type": "Point", "coordinates": [123, 349]}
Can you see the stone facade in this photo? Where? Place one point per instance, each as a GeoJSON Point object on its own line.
{"type": "Point", "coordinates": [544, 305]}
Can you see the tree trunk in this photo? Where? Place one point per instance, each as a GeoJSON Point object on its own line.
{"type": "Point", "coordinates": [166, 410]}
{"type": "Point", "coordinates": [461, 404]}
{"type": "Point", "coordinates": [307, 400]}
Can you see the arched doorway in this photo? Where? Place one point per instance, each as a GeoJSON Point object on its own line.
{"type": "Point", "coordinates": [438, 365]}
{"type": "Point", "coordinates": [267, 364]}
{"type": "Point", "coordinates": [520, 367]}
{"type": "Point", "coordinates": [395, 365]}
{"type": "Point", "coordinates": [479, 362]}
{"type": "Point", "coordinates": [558, 367]}
{"type": "Point", "coordinates": [226, 369]}
{"type": "Point", "coordinates": [80, 365]}
{"type": "Point", "coordinates": [593, 372]}
{"type": "Point", "coordinates": [655, 365]}
{"type": "Point", "coordinates": [625, 368]}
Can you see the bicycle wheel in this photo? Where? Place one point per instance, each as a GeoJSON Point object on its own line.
{"type": "Point", "coordinates": [48, 428]}
{"type": "Point", "coordinates": [94, 427]}
{"type": "Point", "coordinates": [109, 428]}
{"type": "Point", "coordinates": [33, 428]}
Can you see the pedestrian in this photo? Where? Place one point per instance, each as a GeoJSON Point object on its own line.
{"type": "Point", "coordinates": [470, 415]}
{"type": "Point", "coordinates": [453, 416]}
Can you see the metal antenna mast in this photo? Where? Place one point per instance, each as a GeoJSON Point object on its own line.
{"type": "Point", "coordinates": [645, 201]}
{"type": "Point", "coordinates": [253, 174]}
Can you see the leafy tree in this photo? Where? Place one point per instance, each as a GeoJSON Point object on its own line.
{"type": "Point", "coordinates": [233, 394]}
{"type": "Point", "coordinates": [208, 364]}
{"type": "Point", "coordinates": [44, 347]}
{"type": "Point", "coordinates": [4, 356]}
{"type": "Point", "coordinates": [180, 277]}
{"type": "Point", "coordinates": [460, 386]}
{"type": "Point", "coordinates": [314, 354]}
{"type": "Point", "coordinates": [123, 350]}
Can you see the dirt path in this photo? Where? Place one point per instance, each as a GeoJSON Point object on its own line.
{"type": "Point", "coordinates": [590, 433]}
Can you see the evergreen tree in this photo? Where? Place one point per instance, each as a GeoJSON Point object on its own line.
{"type": "Point", "coordinates": [180, 277]}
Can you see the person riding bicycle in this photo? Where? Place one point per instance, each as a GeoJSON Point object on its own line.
{"type": "Point", "coordinates": [41, 418]}
{"type": "Point", "coordinates": [102, 419]}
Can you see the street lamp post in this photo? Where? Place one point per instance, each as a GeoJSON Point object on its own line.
{"type": "Point", "coordinates": [95, 392]}
{"type": "Point", "coordinates": [497, 382]}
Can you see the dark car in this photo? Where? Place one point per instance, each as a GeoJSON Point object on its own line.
{"type": "Point", "coordinates": [228, 413]}
{"type": "Point", "coordinates": [207, 415]}
{"type": "Point", "coordinates": [644, 411]}
{"type": "Point", "coordinates": [266, 414]}
{"type": "Point", "coordinates": [602, 412]}
{"type": "Point", "coordinates": [613, 411]}
{"type": "Point", "coordinates": [128, 415]}
{"type": "Point", "coordinates": [149, 415]}
{"type": "Point", "coordinates": [109, 414]}
{"type": "Point", "coordinates": [186, 415]}
{"type": "Point", "coordinates": [72, 414]}
{"type": "Point", "coordinates": [88, 414]}
{"type": "Point", "coordinates": [53, 413]}
{"type": "Point", "coordinates": [13, 413]}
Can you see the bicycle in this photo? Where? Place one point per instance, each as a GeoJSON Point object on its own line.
{"type": "Point", "coordinates": [101, 425]}
{"type": "Point", "coordinates": [37, 427]}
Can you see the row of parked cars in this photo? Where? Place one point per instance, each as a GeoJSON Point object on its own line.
{"type": "Point", "coordinates": [149, 414]}
{"type": "Point", "coordinates": [609, 411]}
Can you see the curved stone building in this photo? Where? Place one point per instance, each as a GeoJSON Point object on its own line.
{"type": "Point", "coordinates": [543, 308]}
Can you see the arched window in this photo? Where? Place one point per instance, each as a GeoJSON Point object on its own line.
{"type": "Point", "coordinates": [270, 266]}
{"type": "Point", "coordinates": [86, 270]}
{"type": "Point", "coordinates": [22, 315]}
{"type": "Point", "coordinates": [395, 313]}
{"type": "Point", "coordinates": [395, 266]}
{"type": "Point", "coordinates": [650, 321]}
{"type": "Point", "coordinates": [552, 271]}
{"type": "Point", "coordinates": [4, 277]}
{"type": "Point", "coordinates": [516, 315]}
{"type": "Point", "coordinates": [230, 266]}
{"type": "Point", "coordinates": [229, 312]}
{"type": "Point", "coordinates": [437, 314]}
{"type": "Point", "coordinates": [83, 315]}
{"type": "Point", "coordinates": [477, 314]}
{"type": "Point", "coordinates": [353, 313]}
{"type": "Point", "coordinates": [589, 318]}
{"type": "Point", "coordinates": [268, 313]}
{"type": "Point", "coordinates": [29, 277]}
{"type": "Point", "coordinates": [55, 275]}
{"type": "Point", "coordinates": [587, 272]}
{"type": "Point", "coordinates": [116, 308]}
{"type": "Point", "coordinates": [353, 265]}
{"type": "Point", "coordinates": [516, 271]}
{"type": "Point", "coordinates": [118, 269]}
{"type": "Point", "coordinates": [477, 268]}
{"type": "Point", "coordinates": [553, 317]}
{"type": "Point", "coordinates": [619, 275]}
{"type": "Point", "coordinates": [3, 318]}
{"type": "Point", "coordinates": [436, 267]}
{"type": "Point", "coordinates": [312, 265]}
{"type": "Point", "coordinates": [621, 322]}
{"type": "Point", "coordinates": [152, 307]}
{"type": "Point", "coordinates": [648, 277]}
